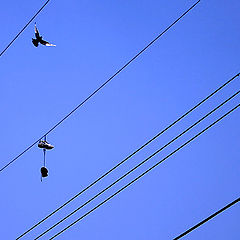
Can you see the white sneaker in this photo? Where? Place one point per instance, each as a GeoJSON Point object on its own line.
{"type": "Point", "coordinates": [45, 144]}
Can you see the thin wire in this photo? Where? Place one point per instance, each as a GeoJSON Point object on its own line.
{"type": "Point", "coordinates": [24, 27]}
{"type": "Point", "coordinates": [44, 157]}
{"type": "Point", "coordinates": [44, 151]}
{"type": "Point", "coordinates": [105, 83]}
{"type": "Point", "coordinates": [148, 170]}
{"type": "Point", "coordinates": [131, 155]}
{"type": "Point", "coordinates": [207, 219]}
{"type": "Point", "coordinates": [140, 164]}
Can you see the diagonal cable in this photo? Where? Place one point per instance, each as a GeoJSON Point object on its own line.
{"type": "Point", "coordinates": [5, 49]}
{"type": "Point", "coordinates": [131, 155]}
{"type": "Point", "coordinates": [140, 164]}
{"type": "Point", "coordinates": [103, 85]}
{"type": "Point", "coordinates": [208, 218]}
{"type": "Point", "coordinates": [148, 170]}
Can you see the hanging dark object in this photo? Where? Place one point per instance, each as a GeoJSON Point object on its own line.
{"type": "Point", "coordinates": [45, 146]}
{"type": "Point", "coordinates": [44, 172]}
{"type": "Point", "coordinates": [40, 40]}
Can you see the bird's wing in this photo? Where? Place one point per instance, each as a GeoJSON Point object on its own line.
{"type": "Point", "coordinates": [36, 32]}
{"type": "Point", "coordinates": [47, 43]}
{"type": "Point", "coordinates": [35, 42]}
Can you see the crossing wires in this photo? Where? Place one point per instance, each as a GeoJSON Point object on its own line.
{"type": "Point", "coordinates": [5, 49]}
{"type": "Point", "coordinates": [103, 85]}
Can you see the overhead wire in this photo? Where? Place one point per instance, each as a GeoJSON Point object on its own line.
{"type": "Point", "coordinates": [207, 219]}
{"type": "Point", "coordinates": [145, 172]}
{"type": "Point", "coordinates": [103, 85]}
{"type": "Point", "coordinates": [140, 164]}
{"type": "Point", "coordinates": [5, 49]}
{"type": "Point", "coordinates": [132, 154]}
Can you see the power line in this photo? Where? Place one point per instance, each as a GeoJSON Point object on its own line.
{"type": "Point", "coordinates": [24, 27]}
{"type": "Point", "coordinates": [140, 164]}
{"type": "Point", "coordinates": [105, 83]}
{"type": "Point", "coordinates": [148, 170]}
{"type": "Point", "coordinates": [207, 219]}
{"type": "Point", "coordinates": [131, 155]}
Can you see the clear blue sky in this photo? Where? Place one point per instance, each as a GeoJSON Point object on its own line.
{"type": "Point", "coordinates": [95, 38]}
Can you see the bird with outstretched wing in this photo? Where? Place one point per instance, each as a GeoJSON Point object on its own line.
{"type": "Point", "coordinates": [40, 40]}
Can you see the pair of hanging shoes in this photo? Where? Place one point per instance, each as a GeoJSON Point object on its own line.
{"type": "Point", "coordinates": [44, 145]}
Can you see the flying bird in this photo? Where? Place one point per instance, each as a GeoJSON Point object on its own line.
{"type": "Point", "coordinates": [40, 40]}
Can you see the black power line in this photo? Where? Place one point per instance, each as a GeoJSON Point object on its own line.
{"type": "Point", "coordinates": [140, 164]}
{"type": "Point", "coordinates": [24, 27]}
{"type": "Point", "coordinates": [207, 219]}
{"type": "Point", "coordinates": [99, 88]}
{"type": "Point", "coordinates": [131, 155]}
{"type": "Point", "coordinates": [148, 170]}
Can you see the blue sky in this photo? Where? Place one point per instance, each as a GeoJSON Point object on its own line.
{"type": "Point", "coordinates": [94, 39]}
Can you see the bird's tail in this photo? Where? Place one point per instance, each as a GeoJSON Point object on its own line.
{"type": "Point", "coordinates": [50, 45]}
